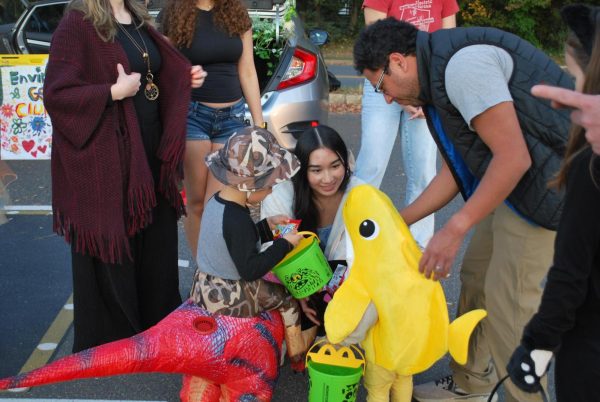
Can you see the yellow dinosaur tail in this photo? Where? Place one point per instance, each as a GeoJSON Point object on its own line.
{"type": "Point", "coordinates": [459, 333]}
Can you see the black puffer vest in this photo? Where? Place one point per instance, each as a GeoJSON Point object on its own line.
{"type": "Point", "coordinates": [545, 129]}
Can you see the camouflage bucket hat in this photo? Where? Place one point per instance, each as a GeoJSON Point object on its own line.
{"type": "Point", "coordinates": [252, 160]}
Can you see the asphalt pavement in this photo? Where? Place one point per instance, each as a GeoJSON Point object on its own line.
{"type": "Point", "coordinates": [343, 70]}
{"type": "Point", "coordinates": [35, 291]}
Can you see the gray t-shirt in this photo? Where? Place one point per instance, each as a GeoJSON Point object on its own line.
{"type": "Point", "coordinates": [477, 78]}
{"type": "Point", "coordinates": [229, 242]}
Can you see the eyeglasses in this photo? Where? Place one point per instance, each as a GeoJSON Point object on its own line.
{"type": "Point", "coordinates": [377, 87]}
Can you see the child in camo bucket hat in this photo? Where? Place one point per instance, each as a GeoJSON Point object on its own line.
{"type": "Point", "coordinates": [229, 279]}
{"type": "Point", "coordinates": [252, 160]}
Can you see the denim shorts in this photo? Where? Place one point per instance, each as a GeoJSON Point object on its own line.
{"type": "Point", "coordinates": [215, 125]}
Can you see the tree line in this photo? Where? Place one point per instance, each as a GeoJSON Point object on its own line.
{"type": "Point", "coordinates": [537, 21]}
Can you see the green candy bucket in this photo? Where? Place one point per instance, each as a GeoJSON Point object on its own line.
{"type": "Point", "coordinates": [334, 374]}
{"type": "Point", "coordinates": [304, 270]}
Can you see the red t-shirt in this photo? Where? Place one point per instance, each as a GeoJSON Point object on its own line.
{"type": "Point", "coordinates": [424, 14]}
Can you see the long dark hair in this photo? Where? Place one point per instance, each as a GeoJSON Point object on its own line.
{"type": "Point", "coordinates": [590, 65]}
{"type": "Point", "coordinates": [310, 140]}
{"type": "Point", "coordinates": [179, 22]}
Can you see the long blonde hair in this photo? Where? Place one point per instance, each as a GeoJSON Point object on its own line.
{"type": "Point", "coordinates": [99, 12]}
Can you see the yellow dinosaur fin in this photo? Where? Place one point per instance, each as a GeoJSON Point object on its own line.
{"type": "Point", "coordinates": [459, 333]}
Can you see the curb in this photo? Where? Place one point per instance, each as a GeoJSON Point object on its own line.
{"type": "Point", "coordinates": [348, 99]}
{"type": "Point", "coordinates": [342, 98]}
{"type": "Point", "coordinates": [339, 62]}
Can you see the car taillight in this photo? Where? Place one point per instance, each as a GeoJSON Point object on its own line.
{"type": "Point", "coordinates": [302, 68]}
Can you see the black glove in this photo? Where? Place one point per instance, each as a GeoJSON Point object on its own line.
{"type": "Point", "coordinates": [526, 367]}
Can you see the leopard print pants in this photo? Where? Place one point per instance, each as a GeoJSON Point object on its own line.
{"type": "Point", "coordinates": [239, 298]}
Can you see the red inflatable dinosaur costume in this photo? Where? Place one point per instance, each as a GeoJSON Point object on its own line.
{"type": "Point", "coordinates": [237, 357]}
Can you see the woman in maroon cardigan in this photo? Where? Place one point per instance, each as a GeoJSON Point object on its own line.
{"type": "Point", "coordinates": [117, 94]}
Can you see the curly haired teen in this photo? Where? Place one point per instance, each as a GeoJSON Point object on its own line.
{"type": "Point", "coordinates": [216, 34]}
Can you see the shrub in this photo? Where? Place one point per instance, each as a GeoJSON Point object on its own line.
{"type": "Point", "coordinates": [537, 21]}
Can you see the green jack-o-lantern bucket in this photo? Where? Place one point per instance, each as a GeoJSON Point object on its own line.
{"type": "Point", "coordinates": [304, 270]}
{"type": "Point", "coordinates": [334, 372]}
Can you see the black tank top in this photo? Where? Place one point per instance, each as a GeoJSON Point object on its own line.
{"type": "Point", "coordinates": [218, 53]}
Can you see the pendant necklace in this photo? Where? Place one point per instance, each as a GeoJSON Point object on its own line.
{"type": "Point", "coordinates": [150, 90]}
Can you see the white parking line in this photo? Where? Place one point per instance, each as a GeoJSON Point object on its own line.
{"type": "Point", "coordinates": [50, 340]}
{"type": "Point", "coordinates": [27, 209]}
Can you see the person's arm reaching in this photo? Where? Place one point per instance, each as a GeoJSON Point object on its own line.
{"type": "Point", "coordinates": [440, 191]}
{"type": "Point", "coordinates": [498, 127]}
{"type": "Point", "coordinates": [241, 238]}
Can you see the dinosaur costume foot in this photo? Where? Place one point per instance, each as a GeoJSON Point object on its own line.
{"type": "Point", "coordinates": [197, 389]}
{"type": "Point", "coordinates": [296, 347]}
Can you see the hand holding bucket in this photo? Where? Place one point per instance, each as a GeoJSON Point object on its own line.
{"type": "Point", "coordinates": [304, 270]}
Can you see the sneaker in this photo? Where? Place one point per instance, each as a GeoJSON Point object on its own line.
{"type": "Point", "coordinates": [445, 389]}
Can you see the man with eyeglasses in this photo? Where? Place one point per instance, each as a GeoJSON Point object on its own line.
{"type": "Point", "coordinates": [500, 146]}
{"type": "Point", "coordinates": [382, 122]}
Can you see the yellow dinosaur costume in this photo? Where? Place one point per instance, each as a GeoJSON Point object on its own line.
{"type": "Point", "coordinates": [412, 330]}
